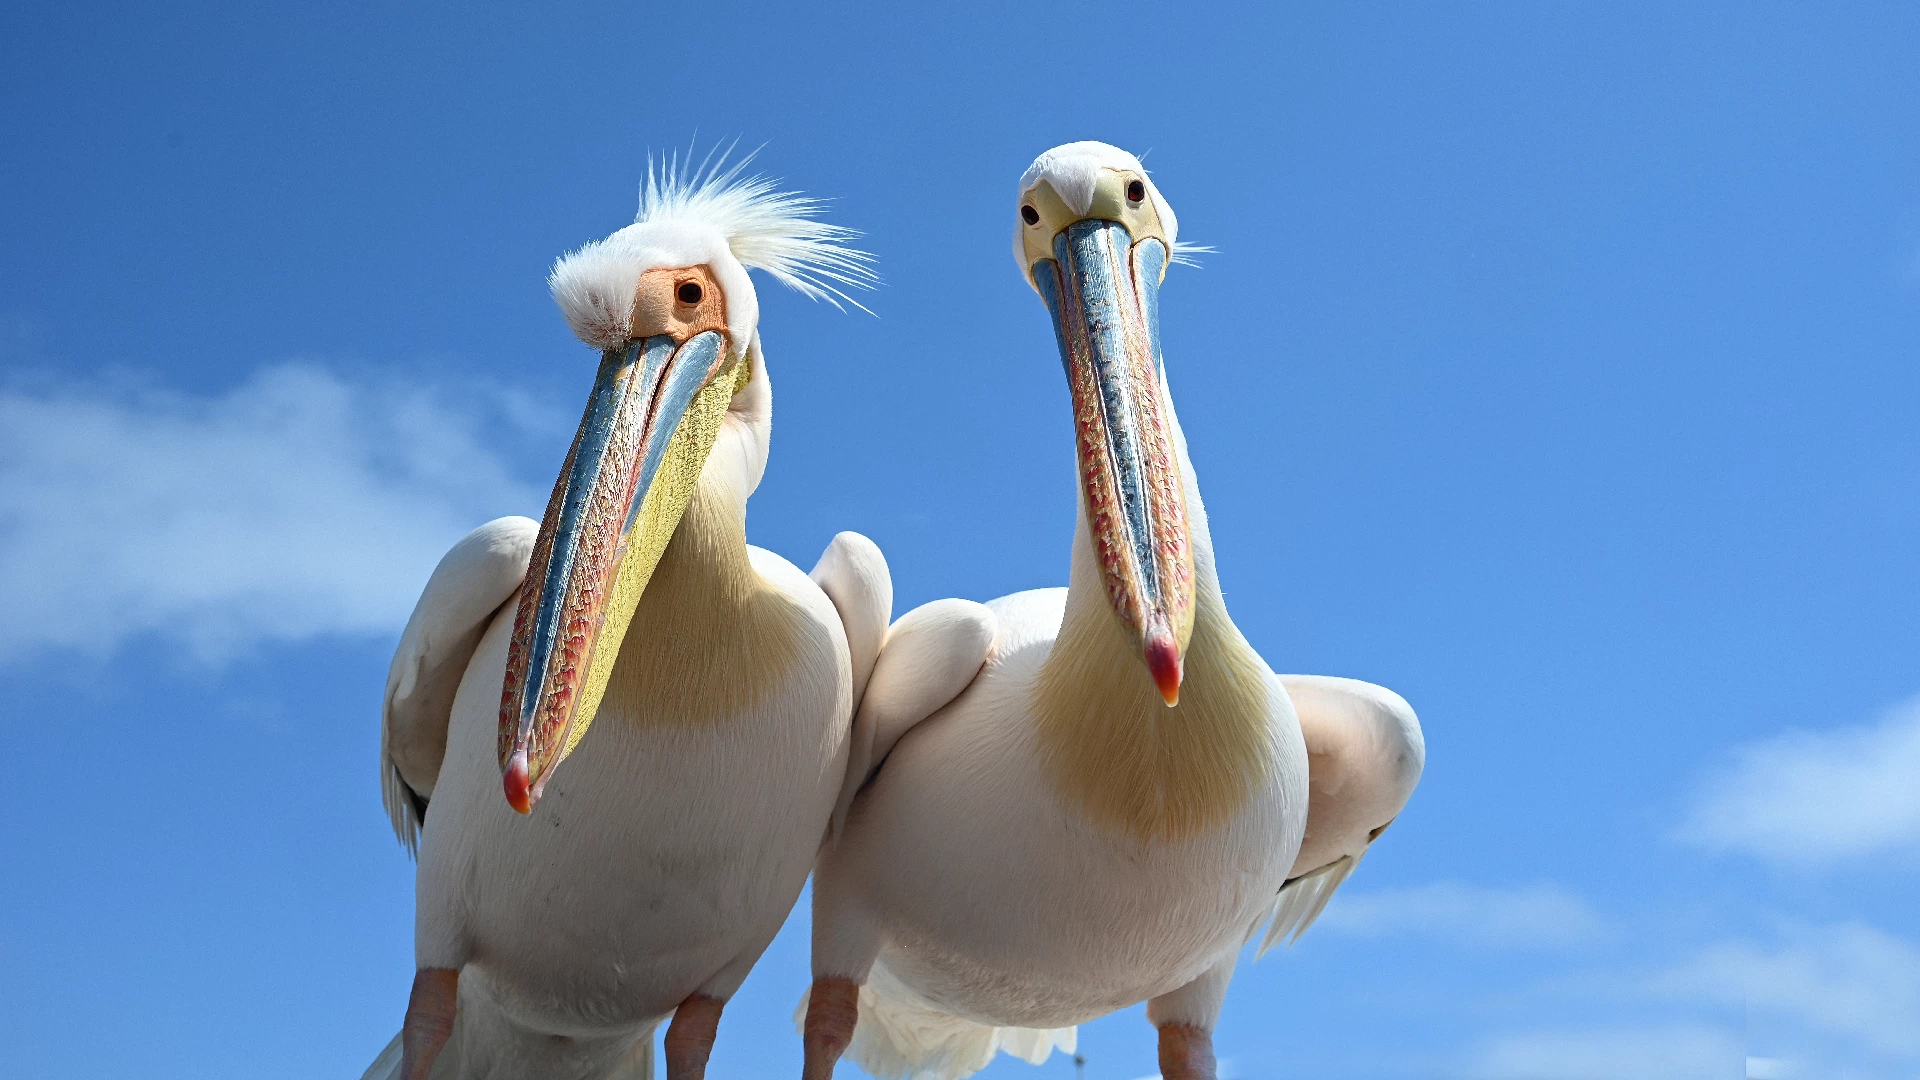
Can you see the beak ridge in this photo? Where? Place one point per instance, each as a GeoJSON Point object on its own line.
{"type": "Point", "coordinates": [619, 498]}
{"type": "Point", "coordinates": [1102, 290]}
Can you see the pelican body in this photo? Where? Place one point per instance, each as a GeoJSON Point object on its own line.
{"type": "Point", "coordinates": [629, 765]}
{"type": "Point", "coordinates": [1115, 799]}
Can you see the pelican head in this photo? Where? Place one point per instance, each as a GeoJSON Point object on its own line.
{"type": "Point", "coordinates": [1093, 237]}
{"type": "Point", "coordinates": [668, 303]}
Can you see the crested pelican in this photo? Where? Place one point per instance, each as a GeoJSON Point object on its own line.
{"type": "Point", "coordinates": [1116, 801]}
{"type": "Point", "coordinates": [618, 781]}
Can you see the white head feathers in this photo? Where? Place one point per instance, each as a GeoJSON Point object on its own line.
{"type": "Point", "coordinates": [1074, 168]}
{"type": "Point", "coordinates": [708, 214]}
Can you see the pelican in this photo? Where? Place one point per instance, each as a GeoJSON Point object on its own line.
{"type": "Point", "coordinates": [619, 779]}
{"type": "Point", "coordinates": [1110, 807]}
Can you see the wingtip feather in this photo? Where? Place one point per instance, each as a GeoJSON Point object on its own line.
{"type": "Point", "coordinates": [1302, 900]}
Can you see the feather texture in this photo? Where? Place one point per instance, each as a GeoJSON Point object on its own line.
{"type": "Point", "coordinates": [1185, 254]}
{"type": "Point", "coordinates": [469, 586]}
{"type": "Point", "coordinates": [766, 228]}
{"type": "Point", "coordinates": [387, 1065]}
{"type": "Point", "coordinates": [898, 1038]}
{"type": "Point", "coordinates": [716, 215]}
{"type": "Point", "coordinates": [1303, 899]}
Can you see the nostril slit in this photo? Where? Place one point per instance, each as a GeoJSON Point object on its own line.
{"type": "Point", "coordinates": [688, 293]}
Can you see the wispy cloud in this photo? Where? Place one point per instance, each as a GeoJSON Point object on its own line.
{"type": "Point", "coordinates": [1815, 797]}
{"type": "Point", "coordinates": [300, 503]}
{"type": "Point", "coordinates": [1817, 1000]}
{"type": "Point", "coordinates": [1665, 1053]}
{"type": "Point", "coordinates": [1853, 982]}
{"type": "Point", "coordinates": [1534, 916]}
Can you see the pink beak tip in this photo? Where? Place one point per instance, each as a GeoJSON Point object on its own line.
{"type": "Point", "coordinates": [519, 792]}
{"type": "Point", "coordinates": [1163, 660]}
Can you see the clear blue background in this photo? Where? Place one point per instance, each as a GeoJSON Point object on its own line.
{"type": "Point", "coordinates": [1556, 369]}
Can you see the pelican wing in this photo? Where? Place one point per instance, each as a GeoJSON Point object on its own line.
{"type": "Point", "coordinates": [1365, 752]}
{"type": "Point", "coordinates": [927, 659]}
{"type": "Point", "coordinates": [474, 580]}
{"type": "Point", "coordinates": [1302, 899]}
{"type": "Point", "coordinates": [854, 575]}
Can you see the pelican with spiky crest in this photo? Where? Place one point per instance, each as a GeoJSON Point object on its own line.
{"type": "Point", "coordinates": [1115, 803]}
{"type": "Point", "coordinates": [619, 735]}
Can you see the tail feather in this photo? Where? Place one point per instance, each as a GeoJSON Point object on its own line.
{"type": "Point", "coordinates": [1303, 899]}
{"type": "Point", "coordinates": [898, 1038]}
{"type": "Point", "coordinates": [446, 1067]}
{"type": "Point", "coordinates": [387, 1065]}
{"type": "Point", "coordinates": [1035, 1045]}
{"type": "Point", "coordinates": [638, 1064]}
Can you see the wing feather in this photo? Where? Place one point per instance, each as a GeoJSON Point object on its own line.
{"type": "Point", "coordinates": [1365, 753]}
{"type": "Point", "coordinates": [478, 575]}
{"type": "Point", "coordinates": [928, 658]}
{"type": "Point", "coordinates": [854, 575]}
{"type": "Point", "coordinates": [1302, 899]}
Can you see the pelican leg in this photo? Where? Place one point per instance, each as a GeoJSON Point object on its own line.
{"type": "Point", "coordinates": [689, 1038]}
{"type": "Point", "coordinates": [429, 1020]}
{"type": "Point", "coordinates": [1185, 1019]}
{"type": "Point", "coordinates": [1186, 1052]}
{"type": "Point", "coordinates": [833, 1008]}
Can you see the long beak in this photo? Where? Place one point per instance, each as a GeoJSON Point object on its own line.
{"type": "Point", "coordinates": [1103, 292]}
{"type": "Point", "coordinates": [652, 419]}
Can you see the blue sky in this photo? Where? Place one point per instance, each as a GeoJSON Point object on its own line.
{"type": "Point", "coordinates": [1556, 369]}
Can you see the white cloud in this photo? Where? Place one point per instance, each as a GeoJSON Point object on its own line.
{"type": "Point", "coordinates": [1669, 1053]}
{"type": "Point", "coordinates": [1814, 797]}
{"type": "Point", "coordinates": [297, 504]}
{"type": "Point", "coordinates": [1538, 915]}
{"type": "Point", "coordinates": [1829, 1001]}
{"type": "Point", "coordinates": [1851, 981]}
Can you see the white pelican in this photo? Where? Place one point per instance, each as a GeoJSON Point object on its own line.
{"type": "Point", "coordinates": [1113, 805]}
{"type": "Point", "coordinates": [660, 861]}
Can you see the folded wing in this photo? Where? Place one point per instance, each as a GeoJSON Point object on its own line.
{"type": "Point", "coordinates": [927, 659]}
{"type": "Point", "coordinates": [473, 582]}
{"type": "Point", "coordinates": [1365, 752]}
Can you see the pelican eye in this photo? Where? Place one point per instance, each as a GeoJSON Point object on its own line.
{"type": "Point", "coordinates": [1029, 215]}
{"type": "Point", "coordinates": [688, 292]}
{"type": "Point", "coordinates": [1136, 191]}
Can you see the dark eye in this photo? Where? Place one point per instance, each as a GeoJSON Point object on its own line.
{"type": "Point", "coordinates": [688, 292]}
{"type": "Point", "coordinates": [1136, 191]}
{"type": "Point", "coordinates": [1029, 215]}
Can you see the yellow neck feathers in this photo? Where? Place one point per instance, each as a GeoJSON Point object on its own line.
{"type": "Point", "coordinates": [1113, 749]}
{"type": "Point", "coordinates": [710, 639]}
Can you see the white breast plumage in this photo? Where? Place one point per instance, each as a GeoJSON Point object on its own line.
{"type": "Point", "coordinates": [625, 730]}
{"type": "Point", "coordinates": [1117, 801]}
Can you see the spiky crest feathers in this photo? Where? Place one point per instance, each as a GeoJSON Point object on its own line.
{"type": "Point", "coordinates": [715, 214]}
